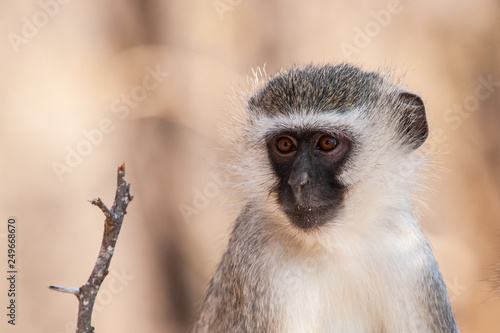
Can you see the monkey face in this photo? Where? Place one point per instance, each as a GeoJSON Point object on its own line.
{"type": "Point", "coordinates": [315, 135]}
{"type": "Point", "coordinates": [306, 165]}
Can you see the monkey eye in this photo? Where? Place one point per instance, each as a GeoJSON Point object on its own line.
{"type": "Point", "coordinates": [327, 143]}
{"type": "Point", "coordinates": [285, 145]}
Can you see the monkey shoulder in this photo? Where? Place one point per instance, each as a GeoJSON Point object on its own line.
{"type": "Point", "coordinates": [238, 298]}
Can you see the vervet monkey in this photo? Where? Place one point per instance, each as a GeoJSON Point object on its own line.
{"type": "Point", "coordinates": [328, 240]}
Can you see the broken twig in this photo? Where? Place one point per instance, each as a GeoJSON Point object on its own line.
{"type": "Point", "coordinates": [87, 293]}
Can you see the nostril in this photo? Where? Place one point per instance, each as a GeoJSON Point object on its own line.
{"type": "Point", "coordinates": [297, 182]}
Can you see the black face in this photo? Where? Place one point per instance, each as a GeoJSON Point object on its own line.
{"type": "Point", "coordinates": [307, 165]}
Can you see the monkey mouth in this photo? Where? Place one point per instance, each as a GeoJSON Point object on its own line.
{"type": "Point", "coordinates": [307, 217]}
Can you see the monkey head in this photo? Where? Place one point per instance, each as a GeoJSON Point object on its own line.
{"type": "Point", "coordinates": [314, 135]}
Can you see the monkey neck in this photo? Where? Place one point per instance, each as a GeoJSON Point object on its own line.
{"type": "Point", "coordinates": [345, 276]}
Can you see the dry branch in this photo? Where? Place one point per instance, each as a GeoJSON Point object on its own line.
{"type": "Point", "coordinates": [87, 293]}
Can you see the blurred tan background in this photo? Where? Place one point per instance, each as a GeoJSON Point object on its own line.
{"type": "Point", "coordinates": [87, 85]}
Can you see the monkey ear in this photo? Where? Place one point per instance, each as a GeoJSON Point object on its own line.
{"type": "Point", "coordinates": [413, 126]}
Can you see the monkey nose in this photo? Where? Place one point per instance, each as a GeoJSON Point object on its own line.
{"type": "Point", "coordinates": [298, 181]}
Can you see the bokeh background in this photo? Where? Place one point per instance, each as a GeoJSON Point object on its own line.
{"type": "Point", "coordinates": [87, 85]}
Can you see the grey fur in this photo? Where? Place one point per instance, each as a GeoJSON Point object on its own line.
{"type": "Point", "coordinates": [239, 298]}
{"type": "Point", "coordinates": [322, 89]}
